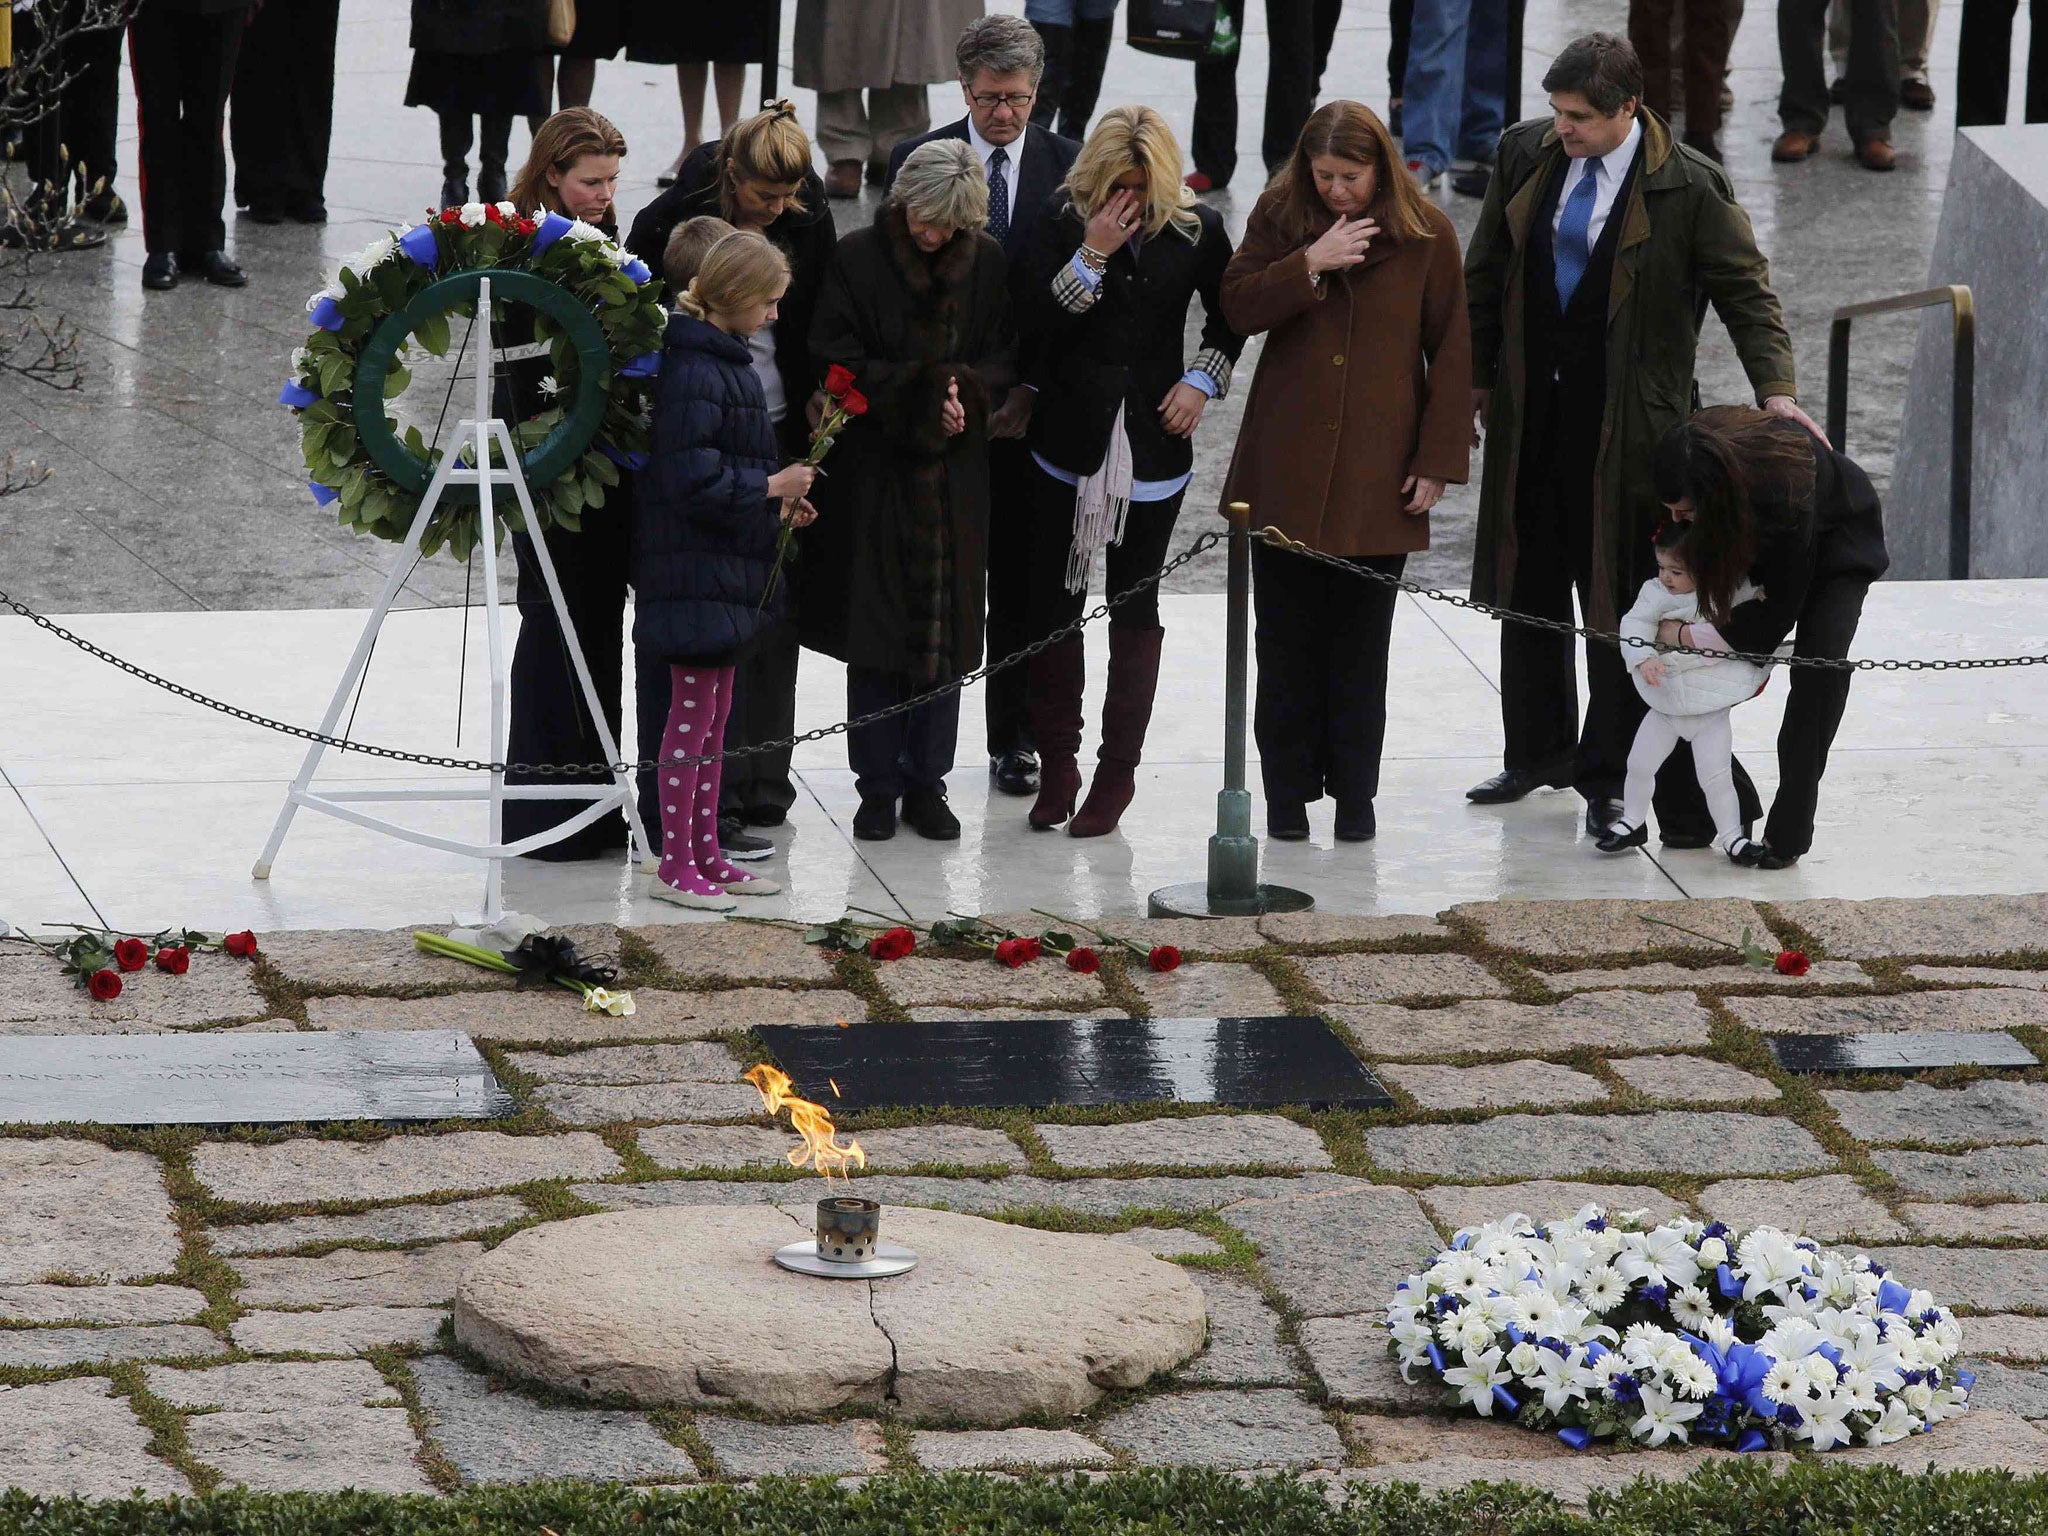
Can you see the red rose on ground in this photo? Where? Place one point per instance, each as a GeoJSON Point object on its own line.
{"type": "Point", "coordinates": [104, 985]}
{"type": "Point", "coordinates": [131, 954]}
{"type": "Point", "coordinates": [838, 380]}
{"type": "Point", "coordinates": [242, 945]}
{"type": "Point", "coordinates": [1792, 962]}
{"type": "Point", "coordinates": [854, 403]}
{"type": "Point", "coordinates": [1084, 960]}
{"type": "Point", "coordinates": [175, 958]}
{"type": "Point", "coordinates": [1011, 953]}
{"type": "Point", "coordinates": [1164, 958]}
{"type": "Point", "coordinates": [893, 945]}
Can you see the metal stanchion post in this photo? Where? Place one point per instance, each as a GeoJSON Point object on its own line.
{"type": "Point", "coordinates": [1233, 888]}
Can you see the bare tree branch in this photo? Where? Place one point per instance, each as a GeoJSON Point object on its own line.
{"type": "Point", "coordinates": [39, 73]}
{"type": "Point", "coordinates": [16, 477]}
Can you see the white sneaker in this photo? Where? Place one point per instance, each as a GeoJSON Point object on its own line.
{"type": "Point", "coordinates": [758, 886]}
{"type": "Point", "coordinates": [661, 890]}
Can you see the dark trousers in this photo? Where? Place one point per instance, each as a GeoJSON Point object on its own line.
{"type": "Point", "coordinates": [763, 709]}
{"type": "Point", "coordinates": [550, 721]}
{"type": "Point", "coordinates": [1709, 32]}
{"type": "Point", "coordinates": [457, 133]}
{"type": "Point", "coordinates": [913, 750]}
{"type": "Point", "coordinates": [1984, 62]}
{"type": "Point", "coordinates": [1813, 710]}
{"type": "Point", "coordinates": [1873, 79]}
{"type": "Point", "coordinates": [1075, 58]}
{"type": "Point", "coordinates": [1012, 480]}
{"type": "Point", "coordinates": [1321, 714]}
{"type": "Point", "coordinates": [1148, 530]}
{"type": "Point", "coordinates": [183, 65]}
{"type": "Point", "coordinates": [70, 148]}
{"type": "Point", "coordinates": [1401, 21]}
{"type": "Point", "coordinates": [1298, 35]}
{"type": "Point", "coordinates": [284, 105]}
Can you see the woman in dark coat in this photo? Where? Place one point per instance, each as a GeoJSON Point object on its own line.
{"type": "Point", "coordinates": [916, 307]}
{"type": "Point", "coordinates": [1358, 417]}
{"type": "Point", "coordinates": [1772, 504]}
{"type": "Point", "coordinates": [707, 512]}
{"type": "Point", "coordinates": [479, 59]}
{"type": "Point", "coordinates": [757, 177]}
{"type": "Point", "coordinates": [1121, 254]}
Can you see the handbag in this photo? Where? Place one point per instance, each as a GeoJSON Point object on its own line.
{"type": "Point", "coordinates": [561, 22]}
{"type": "Point", "coordinates": [1173, 29]}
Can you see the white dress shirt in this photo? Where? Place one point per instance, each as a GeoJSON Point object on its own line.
{"type": "Point", "coordinates": [1012, 152]}
{"type": "Point", "coordinates": [1611, 170]}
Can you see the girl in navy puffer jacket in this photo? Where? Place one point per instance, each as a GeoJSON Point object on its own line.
{"type": "Point", "coordinates": [707, 512]}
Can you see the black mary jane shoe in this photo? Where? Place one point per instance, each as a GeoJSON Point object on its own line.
{"type": "Point", "coordinates": [1750, 855]}
{"type": "Point", "coordinates": [1356, 823]}
{"type": "Point", "coordinates": [1619, 837]}
{"type": "Point", "coordinates": [1287, 821]}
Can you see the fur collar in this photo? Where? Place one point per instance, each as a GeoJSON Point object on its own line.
{"type": "Point", "coordinates": [946, 272]}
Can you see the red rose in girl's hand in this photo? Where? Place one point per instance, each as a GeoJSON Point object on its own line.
{"type": "Point", "coordinates": [241, 945]}
{"type": "Point", "coordinates": [893, 945]}
{"type": "Point", "coordinates": [854, 403]}
{"type": "Point", "coordinates": [1084, 960]}
{"type": "Point", "coordinates": [1792, 962]}
{"type": "Point", "coordinates": [1164, 958]}
{"type": "Point", "coordinates": [838, 380]}
{"type": "Point", "coordinates": [131, 954]}
{"type": "Point", "coordinates": [104, 985]}
{"type": "Point", "coordinates": [175, 958]}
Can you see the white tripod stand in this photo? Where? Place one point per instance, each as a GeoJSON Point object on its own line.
{"type": "Point", "coordinates": [481, 431]}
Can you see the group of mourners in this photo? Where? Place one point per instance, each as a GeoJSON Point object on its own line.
{"type": "Point", "coordinates": [1016, 321]}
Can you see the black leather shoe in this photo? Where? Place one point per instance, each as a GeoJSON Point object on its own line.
{"type": "Point", "coordinates": [1773, 859]}
{"type": "Point", "coordinates": [926, 813]}
{"type": "Point", "coordinates": [875, 821]}
{"type": "Point", "coordinates": [1286, 821]}
{"type": "Point", "coordinates": [1511, 784]}
{"type": "Point", "coordinates": [311, 211]}
{"type": "Point", "coordinates": [1015, 773]}
{"type": "Point", "coordinates": [265, 213]}
{"type": "Point", "coordinates": [1472, 182]}
{"type": "Point", "coordinates": [736, 842]}
{"type": "Point", "coordinates": [1613, 841]}
{"type": "Point", "coordinates": [1356, 823]}
{"type": "Point", "coordinates": [1690, 837]}
{"type": "Point", "coordinates": [454, 191]}
{"type": "Point", "coordinates": [1602, 813]}
{"type": "Point", "coordinates": [215, 267]}
{"type": "Point", "coordinates": [160, 270]}
{"type": "Point", "coordinates": [105, 207]}
{"type": "Point", "coordinates": [765, 815]}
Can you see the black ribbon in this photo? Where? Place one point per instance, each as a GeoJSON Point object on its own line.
{"type": "Point", "coordinates": [541, 957]}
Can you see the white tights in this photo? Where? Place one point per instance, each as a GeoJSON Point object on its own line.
{"type": "Point", "coordinates": [1713, 750]}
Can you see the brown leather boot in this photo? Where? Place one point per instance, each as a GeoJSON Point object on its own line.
{"type": "Point", "coordinates": [1058, 676]}
{"type": "Point", "coordinates": [1876, 155]}
{"type": "Point", "coordinates": [1794, 146]}
{"type": "Point", "coordinates": [1126, 712]}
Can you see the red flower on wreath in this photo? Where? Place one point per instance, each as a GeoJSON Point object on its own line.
{"type": "Point", "coordinates": [241, 945]}
{"type": "Point", "coordinates": [105, 986]}
{"type": "Point", "coordinates": [854, 403]}
{"type": "Point", "coordinates": [1792, 962]}
{"type": "Point", "coordinates": [131, 954]}
{"type": "Point", "coordinates": [524, 225]}
{"type": "Point", "coordinates": [838, 380]}
{"type": "Point", "coordinates": [451, 215]}
{"type": "Point", "coordinates": [491, 214]}
{"type": "Point", "coordinates": [1084, 960]}
{"type": "Point", "coordinates": [174, 958]}
{"type": "Point", "coordinates": [1164, 958]}
{"type": "Point", "coordinates": [892, 945]}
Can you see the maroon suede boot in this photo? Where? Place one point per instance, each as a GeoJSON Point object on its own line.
{"type": "Point", "coordinates": [1126, 712]}
{"type": "Point", "coordinates": [1058, 675]}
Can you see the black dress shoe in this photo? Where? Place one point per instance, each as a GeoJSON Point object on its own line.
{"type": "Point", "coordinates": [1773, 859]}
{"type": "Point", "coordinates": [926, 813]}
{"type": "Point", "coordinates": [105, 207]}
{"type": "Point", "coordinates": [160, 270]}
{"type": "Point", "coordinates": [1602, 813]}
{"type": "Point", "coordinates": [310, 211]}
{"type": "Point", "coordinates": [1614, 840]}
{"type": "Point", "coordinates": [765, 815]}
{"type": "Point", "coordinates": [736, 842]}
{"type": "Point", "coordinates": [1286, 821]}
{"type": "Point", "coordinates": [1683, 836]}
{"type": "Point", "coordinates": [490, 184]}
{"type": "Point", "coordinates": [215, 267]}
{"type": "Point", "coordinates": [454, 191]}
{"type": "Point", "coordinates": [1356, 823]}
{"type": "Point", "coordinates": [1473, 181]}
{"type": "Point", "coordinates": [1015, 772]}
{"type": "Point", "coordinates": [266, 213]}
{"type": "Point", "coordinates": [1511, 784]}
{"type": "Point", "coordinates": [875, 821]}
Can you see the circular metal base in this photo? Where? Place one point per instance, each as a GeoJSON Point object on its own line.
{"type": "Point", "coordinates": [1192, 900]}
{"type": "Point", "coordinates": [890, 1259]}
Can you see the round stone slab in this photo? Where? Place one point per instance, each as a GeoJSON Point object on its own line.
{"type": "Point", "coordinates": [685, 1306]}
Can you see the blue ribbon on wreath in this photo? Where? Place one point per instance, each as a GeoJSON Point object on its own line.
{"type": "Point", "coordinates": [419, 243]}
{"type": "Point", "coordinates": [1753, 1440]}
{"type": "Point", "coordinates": [634, 460]}
{"type": "Point", "coordinates": [645, 366]}
{"type": "Point", "coordinates": [323, 495]}
{"type": "Point", "coordinates": [326, 313]}
{"type": "Point", "coordinates": [296, 395]}
{"type": "Point", "coordinates": [637, 270]}
{"type": "Point", "coordinates": [552, 227]}
{"type": "Point", "coordinates": [1575, 1437]}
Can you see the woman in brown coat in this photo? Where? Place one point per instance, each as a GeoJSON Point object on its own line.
{"type": "Point", "coordinates": [1357, 419]}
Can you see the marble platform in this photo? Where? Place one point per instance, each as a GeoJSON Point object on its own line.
{"type": "Point", "coordinates": [122, 804]}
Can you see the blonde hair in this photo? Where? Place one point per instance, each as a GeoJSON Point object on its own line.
{"type": "Point", "coordinates": [770, 146]}
{"type": "Point", "coordinates": [1134, 138]}
{"type": "Point", "coordinates": [942, 183]}
{"type": "Point", "coordinates": [738, 272]}
{"type": "Point", "coordinates": [562, 140]}
{"type": "Point", "coordinates": [688, 244]}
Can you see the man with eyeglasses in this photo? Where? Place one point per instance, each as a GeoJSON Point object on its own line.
{"type": "Point", "coordinates": [1001, 61]}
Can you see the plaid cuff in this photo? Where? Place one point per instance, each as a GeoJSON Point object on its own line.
{"type": "Point", "coordinates": [1215, 363]}
{"type": "Point", "coordinates": [1071, 293]}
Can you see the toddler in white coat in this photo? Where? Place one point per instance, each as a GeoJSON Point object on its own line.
{"type": "Point", "coordinates": [1689, 698]}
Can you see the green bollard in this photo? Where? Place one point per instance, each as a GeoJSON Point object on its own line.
{"type": "Point", "coordinates": [1233, 888]}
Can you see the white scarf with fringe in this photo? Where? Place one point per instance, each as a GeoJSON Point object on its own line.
{"type": "Point", "coordinates": [1102, 500]}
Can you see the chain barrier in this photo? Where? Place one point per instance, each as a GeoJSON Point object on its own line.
{"type": "Point", "coordinates": [1269, 535]}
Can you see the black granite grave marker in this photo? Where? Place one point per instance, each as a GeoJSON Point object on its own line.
{"type": "Point", "coordinates": [1902, 1052]}
{"type": "Point", "coordinates": [1037, 1063]}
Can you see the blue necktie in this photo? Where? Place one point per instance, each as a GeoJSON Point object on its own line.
{"type": "Point", "coordinates": [999, 197]}
{"type": "Point", "coordinates": [1573, 250]}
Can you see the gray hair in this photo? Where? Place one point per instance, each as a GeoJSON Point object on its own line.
{"type": "Point", "coordinates": [1001, 45]}
{"type": "Point", "coordinates": [942, 183]}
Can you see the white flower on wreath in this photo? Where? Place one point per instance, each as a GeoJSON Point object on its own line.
{"type": "Point", "coordinates": [371, 256]}
{"type": "Point", "coordinates": [1661, 1256]}
{"type": "Point", "coordinates": [1786, 1382]}
{"type": "Point", "coordinates": [1562, 1381]}
{"type": "Point", "coordinates": [507, 211]}
{"type": "Point", "coordinates": [550, 387]}
{"type": "Point", "coordinates": [1691, 1307]}
{"type": "Point", "coordinates": [1895, 1423]}
{"type": "Point", "coordinates": [1713, 1252]}
{"type": "Point", "coordinates": [299, 356]}
{"type": "Point", "coordinates": [1603, 1289]}
{"type": "Point", "coordinates": [472, 215]}
{"type": "Point", "coordinates": [583, 233]}
{"type": "Point", "coordinates": [1664, 1417]}
{"type": "Point", "coordinates": [1825, 1423]}
{"type": "Point", "coordinates": [1476, 1379]}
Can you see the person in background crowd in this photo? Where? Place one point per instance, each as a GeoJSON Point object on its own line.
{"type": "Point", "coordinates": [1769, 502]}
{"type": "Point", "coordinates": [1298, 38]}
{"type": "Point", "coordinates": [1355, 423]}
{"type": "Point", "coordinates": [1984, 63]}
{"type": "Point", "coordinates": [1586, 314]}
{"type": "Point", "coordinates": [1703, 60]}
{"type": "Point", "coordinates": [69, 151]}
{"type": "Point", "coordinates": [917, 308]}
{"type": "Point", "coordinates": [892, 49]}
{"type": "Point", "coordinates": [1119, 258]}
{"type": "Point", "coordinates": [1917, 19]}
{"type": "Point", "coordinates": [708, 507]}
{"type": "Point", "coordinates": [283, 111]}
{"type": "Point", "coordinates": [1454, 97]}
{"type": "Point", "coordinates": [1870, 91]}
{"type": "Point", "coordinates": [721, 40]}
{"type": "Point", "coordinates": [573, 170]}
{"type": "Point", "coordinates": [183, 56]}
{"type": "Point", "coordinates": [1077, 35]}
{"type": "Point", "coordinates": [758, 177]}
{"type": "Point", "coordinates": [600, 33]}
{"type": "Point", "coordinates": [1401, 26]}
{"type": "Point", "coordinates": [478, 59]}
{"type": "Point", "coordinates": [999, 60]}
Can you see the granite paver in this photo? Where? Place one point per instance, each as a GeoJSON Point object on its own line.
{"type": "Point", "coordinates": [1668, 1141]}
{"type": "Point", "coordinates": [1924, 925]}
{"type": "Point", "coordinates": [940, 1012]}
{"type": "Point", "coordinates": [1204, 935]}
{"type": "Point", "coordinates": [1272, 1427]}
{"type": "Point", "coordinates": [1393, 1439]}
{"type": "Point", "coordinates": [605, 1104]}
{"type": "Point", "coordinates": [1338, 1253]}
{"type": "Point", "coordinates": [392, 1224]}
{"type": "Point", "coordinates": [311, 1450]}
{"type": "Point", "coordinates": [371, 960]}
{"type": "Point", "coordinates": [1984, 975]}
{"type": "Point", "coordinates": [1350, 1355]}
{"type": "Point", "coordinates": [1985, 1279]}
{"type": "Point", "coordinates": [264, 1387]}
{"type": "Point", "coordinates": [502, 1436]}
{"type": "Point", "coordinates": [76, 1208]}
{"type": "Point", "coordinates": [1496, 1086]}
{"type": "Point", "coordinates": [1978, 1008]}
{"type": "Point", "coordinates": [72, 1439]}
{"type": "Point", "coordinates": [1610, 927]}
{"type": "Point", "coordinates": [2008, 1334]}
{"type": "Point", "coordinates": [1982, 1440]}
{"type": "Point", "coordinates": [285, 1173]}
{"type": "Point", "coordinates": [99, 1303]}
{"type": "Point", "coordinates": [94, 1346]}
{"type": "Point", "coordinates": [1196, 1141]}
{"type": "Point", "coordinates": [352, 1277]}
{"type": "Point", "coordinates": [2026, 1219]}
{"type": "Point", "coordinates": [746, 1449]}
{"type": "Point", "coordinates": [2019, 1173]}
{"type": "Point", "coordinates": [1693, 1080]}
{"type": "Point", "coordinates": [1990, 1109]}
{"type": "Point", "coordinates": [1619, 1021]}
{"type": "Point", "coordinates": [1168, 1242]}
{"type": "Point", "coordinates": [2015, 1390]}
{"type": "Point", "coordinates": [692, 1061]}
{"type": "Point", "coordinates": [218, 989]}
{"type": "Point", "coordinates": [1473, 1205]}
{"type": "Point", "coordinates": [1208, 990]}
{"type": "Point", "coordinates": [1086, 1197]}
{"type": "Point", "coordinates": [556, 1017]}
{"type": "Point", "coordinates": [1663, 973]}
{"type": "Point", "coordinates": [939, 1450]}
{"type": "Point", "coordinates": [1826, 1209]}
{"type": "Point", "coordinates": [1244, 1340]}
{"type": "Point", "coordinates": [338, 1331]}
{"type": "Point", "coordinates": [735, 951]}
{"type": "Point", "coordinates": [1343, 928]}
{"type": "Point", "coordinates": [918, 982]}
{"type": "Point", "coordinates": [692, 1147]}
{"type": "Point", "coordinates": [1385, 978]}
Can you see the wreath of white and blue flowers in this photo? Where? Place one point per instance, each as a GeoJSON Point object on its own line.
{"type": "Point", "coordinates": [1600, 1327]}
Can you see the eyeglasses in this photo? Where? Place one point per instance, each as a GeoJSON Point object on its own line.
{"type": "Point", "coordinates": [1016, 103]}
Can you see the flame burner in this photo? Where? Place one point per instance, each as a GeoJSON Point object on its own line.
{"type": "Point", "coordinates": [849, 1244]}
